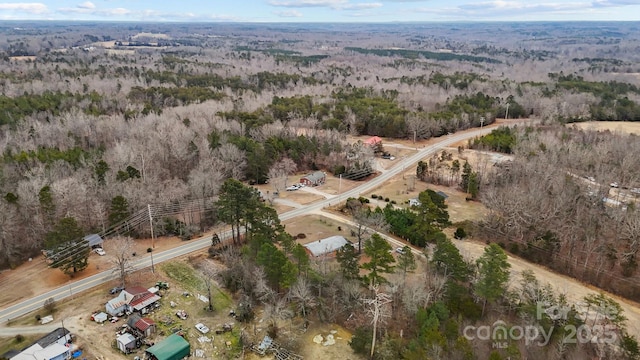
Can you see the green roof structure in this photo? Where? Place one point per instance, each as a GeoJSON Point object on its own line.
{"type": "Point", "coordinates": [174, 347]}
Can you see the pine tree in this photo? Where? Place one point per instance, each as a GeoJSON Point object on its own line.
{"type": "Point", "coordinates": [447, 260]}
{"type": "Point", "coordinates": [406, 261]}
{"type": "Point", "coordinates": [380, 259]}
{"type": "Point", "coordinates": [348, 257]}
{"type": "Point", "coordinates": [493, 274]}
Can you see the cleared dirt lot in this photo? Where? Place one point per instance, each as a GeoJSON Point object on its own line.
{"type": "Point", "coordinates": [615, 126]}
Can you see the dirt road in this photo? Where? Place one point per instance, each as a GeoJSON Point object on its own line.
{"type": "Point", "coordinates": [574, 290]}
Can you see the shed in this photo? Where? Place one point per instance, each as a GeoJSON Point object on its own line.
{"type": "Point", "coordinates": [94, 240]}
{"type": "Point", "coordinates": [100, 317]}
{"type": "Point", "coordinates": [443, 194]}
{"type": "Point", "coordinates": [143, 326]}
{"type": "Point", "coordinates": [314, 179]}
{"type": "Point", "coordinates": [373, 141]}
{"type": "Point", "coordinates": [326, 246]}
{"type": "Point", "coordinates": [174, 347]}
{"type": "Point", "coordinates": [126, 342]}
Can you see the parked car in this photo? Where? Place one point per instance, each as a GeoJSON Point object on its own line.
{"type": "Point", "coordinates": [614, 184]}
{"type": "Point", "coordinates": [99, 251]}
{"type": "Point", "coordinates": [202, 328]}
{"type": "Point", "coordinates": [400, 250]}
{"type": "Point", "coordinates": [293, 187]}
{"type": "Point", "coordinates": [116, 290]}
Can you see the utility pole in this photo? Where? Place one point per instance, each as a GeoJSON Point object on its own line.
{"type": "Point", "coordinates": [340, 186]}
{"type": "Point", "coordinates": [151, 225]}
{"type": "Point", "coordinates": [153, 245]}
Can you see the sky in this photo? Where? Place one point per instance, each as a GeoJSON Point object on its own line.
{"type": "Point", "coordinates": [322, 10]}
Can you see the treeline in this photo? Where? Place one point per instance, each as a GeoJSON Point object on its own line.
{"type": "Point", "coordinates": [614, 102]}
{"type": "Point", "coordinates": [53, 103]}
{"type": "Point", "coordinates": [502, 139]}
{"type": "Point", "coordinates": [431, 55]}
{"type": "Point", "coordinates": [554, 204]}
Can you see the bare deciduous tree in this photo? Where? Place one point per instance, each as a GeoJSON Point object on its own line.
{"type": "Point", "coordinates": [301, 293]}
{"type": "Point", "coordinates": [378, 310]}
{"type": "Point", "coordinates": [120, 251]}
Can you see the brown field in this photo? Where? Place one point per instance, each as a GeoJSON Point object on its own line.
{"type": "Point", "coordinates": [626, 127]}
{"type": "Point", "coordinates": [23, 58]}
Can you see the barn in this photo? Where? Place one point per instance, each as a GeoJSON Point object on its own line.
{"type": "Point", "coordinates": [174, 347]}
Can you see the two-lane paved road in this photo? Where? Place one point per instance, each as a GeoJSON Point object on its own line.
{"type": "Point", "coordinates": [64, 292]}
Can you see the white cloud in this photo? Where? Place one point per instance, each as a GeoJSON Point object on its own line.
{"type": "Point", "coordinates": [114, 12]}
{"type": "Point", "coordinates": [333, 4]}
{"type": "Point", "coordinates": [32, 8]}
{"type": "Point", "coordinates": [360, 6]}
{"type": "Point", "coordinates": [288, 13]}
{"type": "Point", "coordinates": [519, 5]}
{"type": "Point", "coordinates": [614, 3]}
{"type": "Point", "coordinates": [86, 5]}
{"type": "Point", "coordinates": [309, 3]}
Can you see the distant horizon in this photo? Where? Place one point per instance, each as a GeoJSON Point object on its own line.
{"type": "Point", "coordinates": [323, 11]}
{"type": "Point", "coordinates": [462, 22]}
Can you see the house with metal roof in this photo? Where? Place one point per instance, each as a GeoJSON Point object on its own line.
{"type": "Point", "coordinates": [132, 299]}
{"type": "Point", "coordinates": [53, 346]}
{"type": "Point", "coordinates": [174, 347]}
{"type": "Point", "coordinates": [326, 246]}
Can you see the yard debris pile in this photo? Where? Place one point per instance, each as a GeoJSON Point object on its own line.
{"type": "Point", "coordinates": [182, 314]}
{"type": "Point", "coordinates": [204, 339]}
{"type": "Point", "coordinates": [267, 345]}
{"type": "Point", "coordinates": [327, 340]}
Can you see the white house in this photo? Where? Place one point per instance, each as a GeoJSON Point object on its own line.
{"type": "Point", "coordinates": [53, 346]}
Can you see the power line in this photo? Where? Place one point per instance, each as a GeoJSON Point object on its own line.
{"type": "Point", "coordinates": [135, 220]}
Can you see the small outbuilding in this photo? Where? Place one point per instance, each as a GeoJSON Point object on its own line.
{"type": "Point", "coordinates": [100, 317]}
{"type": "Point", "coordinates": [174, 347]}
{"type": "Point", "coordinates": [326, 246]}
{"type": "Point", "coordinates": [314, 179]}
{"type": "Point", "coordinates": [94, 240]}
{"type": "Point", "coordinates": [144, 327]}
{"type": "Point", "coordinates": [373, 141]}
{"type": "Point", "coordinates": [126, 343]}
{"type": "Point", "coordinates": [414, 202]}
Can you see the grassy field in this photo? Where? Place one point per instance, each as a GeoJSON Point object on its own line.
{"type": "Point", "coordinates": [17, 342]}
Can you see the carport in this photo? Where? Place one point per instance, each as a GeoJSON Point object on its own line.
{"type": "Point", "coordinates": [174, 347]}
